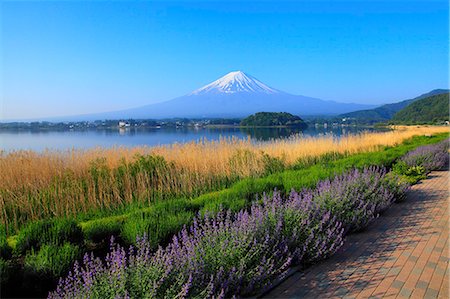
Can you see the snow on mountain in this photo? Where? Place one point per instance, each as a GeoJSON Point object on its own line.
{"type": "Point", "coordinates": [235, 82]}
{"type": "Point", "coordinates": [234, 95]}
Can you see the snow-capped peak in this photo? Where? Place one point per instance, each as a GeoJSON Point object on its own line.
{"type": "Point", "coordinates": [235, 82]}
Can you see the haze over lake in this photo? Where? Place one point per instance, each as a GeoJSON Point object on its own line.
{"type": "Point", "coordinates": [65, 139]}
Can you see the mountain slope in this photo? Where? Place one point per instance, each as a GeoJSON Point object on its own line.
{"type": "Point", "coordinates": [433, 109]}
{"type": "Point", "coordinates": [235, 82]}
{"type": "Point", "coordinates": [387, 111]}
{"type": "Point", "coordinates": [234, 95]}
{"type": "Point", "coordinates": [238, 105]}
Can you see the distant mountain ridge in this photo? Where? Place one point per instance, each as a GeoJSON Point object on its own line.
{"type": "Point", "coordinates": [431, 109]}
{"type": "Point", "coordinates": [236, 94]}
{"type": "Point", "coordinates": [387, 111]}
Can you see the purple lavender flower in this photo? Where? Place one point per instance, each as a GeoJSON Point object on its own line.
{"type": "Point", "coordinates": [237, 253]}
{"type": "Point", "coordinates": [430, 157]}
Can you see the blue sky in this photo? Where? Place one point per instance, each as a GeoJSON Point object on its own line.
{"type": "Point", "coordinates": [75, 57]}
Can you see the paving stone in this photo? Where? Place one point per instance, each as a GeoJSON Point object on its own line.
{"type": "Point", "coordinates": [443, 259]}
{"type": "Point", "coordinates": [405, 292]}
{"type": "Point", "coordinates": [397, 256]}
{"type": "Point", "coordinates": [440, 271]}
{"type": "Point", "coordinates": [422, 284]}
{"type": "Point", "coordinates": [395, 271]}
{"type": "Point", "coordinates": [397, 284]}
{"type": "Point", "coordinates": [430, 293]}
{"type": "Point", "coordinates": [417, 271]}
{"type": "Point", "coordinates": [413, 258]}
{"type": "Point", "coordinates": [384, 270]}
{"type": "Point", "coordinates": [431, 265]}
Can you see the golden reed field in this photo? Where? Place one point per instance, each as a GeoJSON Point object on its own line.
{"type": "Point", "coordinates": [65, 183]}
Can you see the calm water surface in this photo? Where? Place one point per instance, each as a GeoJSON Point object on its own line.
{"type": "Point", "coordinates": [61, 140]}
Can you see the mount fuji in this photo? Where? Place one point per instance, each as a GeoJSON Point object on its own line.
{"type": "Point", "coordinates": [235, 82]}
{"type": "Point", "coordinates": [236, 94]}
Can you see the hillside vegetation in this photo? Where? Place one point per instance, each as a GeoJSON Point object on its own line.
{"type": "Point", "coordinates": [273, 119]}
{"type": "Point", "coordinates": [387, 111]}
{"type": "Point", "coordinates": [434, 109]}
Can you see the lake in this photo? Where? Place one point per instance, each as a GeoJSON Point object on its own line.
{"type": "Point", "coordinates": [60, 140]}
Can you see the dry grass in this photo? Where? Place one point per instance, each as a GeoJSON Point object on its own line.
{"type": "Point", "coordinates": [64, 183]}
{"type": "Point", "coordinates": [294, 149]}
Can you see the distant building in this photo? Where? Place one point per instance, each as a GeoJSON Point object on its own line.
{"type": "Point", "coordinates": [123, 124]}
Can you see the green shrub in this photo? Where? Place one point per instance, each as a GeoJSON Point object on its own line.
{"type": "Point", "coordinates": [48, 232]}
{"type": "Point", "coordinates": [5, 249]}
{"type": "Point", "coordinates": [272, 164]}
{"type": "Point", "coordinates": [412, 174]}
{"type": "Point", "coordinates": [228, 203]}
{"type": "Point", "coordinates": [323, 159]}
{"type": "Point", "coordinates": [55, 260]}
{"type": "Point", "coordinates": [397, 184]}
{"type": "Point", "coordinates": [154, 166]}
{"type": "Point", "coordinates": [239, 195]}
{"type": "Point", "coordinates": [159, 222]}
{"type": "Point", "coordinates": [98, 231]}
{"type": "Point", "coordinates": [156, 169]}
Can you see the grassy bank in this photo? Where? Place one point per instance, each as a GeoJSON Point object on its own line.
{"type": "Point", "coordinates": [235, 254]}
{"type": "Point", "coordinates": [47, 248]}
{"type": "Point", "coordinates": [104, 182]}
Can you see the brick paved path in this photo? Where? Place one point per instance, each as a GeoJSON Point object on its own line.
{"type": "Point", "coordinates": [403, 254]}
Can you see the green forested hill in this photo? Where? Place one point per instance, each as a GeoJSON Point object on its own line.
{"type": "Point", "coordinates": [434, 109]}
{"type": "Point", "coordinates": [387, 111]}
{"type": "Point", "coordinates": [272, 119]}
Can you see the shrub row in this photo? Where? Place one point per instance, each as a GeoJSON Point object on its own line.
{"type": "Point", "coordinates": [430, 157]}
{"type": "Point", "coordinates": [238, 254]}
{"type": "Point", "coordinates": [416, 164]}
{"type": "Point", "coordinates": [43, 251]}
{"type": "Point", "coordinates": [48, 232]}
{"type": "Point", "coordinates": [164, 218]}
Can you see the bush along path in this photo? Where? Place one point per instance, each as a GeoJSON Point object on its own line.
{"type": "Point", "coordinates": [404, 254]}
{"type": "Point", "coordinates": [238, 254]}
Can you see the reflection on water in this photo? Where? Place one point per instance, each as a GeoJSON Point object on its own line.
{"type": "Point", "coordinates": [42, 139]}
{"type": "Point", "coordinates": [273, 133]}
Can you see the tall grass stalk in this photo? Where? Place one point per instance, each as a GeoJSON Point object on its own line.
{"type": "Point", "coordinates": [37, 186]}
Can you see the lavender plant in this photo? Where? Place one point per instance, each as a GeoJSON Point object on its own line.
{"type": "Point", "coordinates": [430, 157]}
{"type": "Point", "coordinates": [237, 253]}
{"type": "Point", "coordinates": [217, 256]}
{"type": "Point", "coordinates": [357, 197]}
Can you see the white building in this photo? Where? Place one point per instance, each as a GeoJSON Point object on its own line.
{"type": "Point", "coordinates": [123, 124]}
